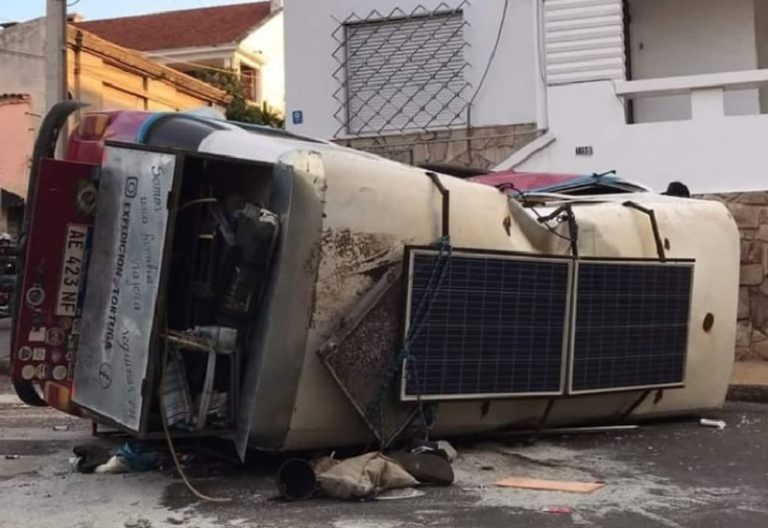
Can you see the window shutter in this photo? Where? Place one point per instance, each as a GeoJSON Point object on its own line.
{"type": "Point", "coordinates": [404, 75]}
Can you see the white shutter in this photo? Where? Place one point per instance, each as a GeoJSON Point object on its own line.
{"type": "Point", "coordinates": [405, 74]}
{"type": "Point", "coordinates": [584, 40]}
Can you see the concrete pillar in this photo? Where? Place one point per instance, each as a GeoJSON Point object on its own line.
{"type": "Point", "coordinates": [55, 52]}
{"type": "Point", "coordinates": [707, 104]}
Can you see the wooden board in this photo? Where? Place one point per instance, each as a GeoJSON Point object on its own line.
{"type": "Point", "coordinates": [550, 485]}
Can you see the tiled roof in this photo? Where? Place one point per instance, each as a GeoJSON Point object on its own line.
{"type": "Point", "coordinates": [209, 26]}
{"type": "Point", "coordinates": [78, 38]}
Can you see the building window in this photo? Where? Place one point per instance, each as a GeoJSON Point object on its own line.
{"type": "Point", "coordinates": [400, 74]}
{"type": "Point", "coordinates": [250, 80]}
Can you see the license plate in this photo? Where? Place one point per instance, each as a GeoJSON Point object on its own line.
{"type": "Point", "coordinates": [72, 270]}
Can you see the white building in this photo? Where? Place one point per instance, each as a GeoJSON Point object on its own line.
{"type": "Point", "coordinates": [659, 90]}
{"type": "Point", "coordinates": [404, 77]}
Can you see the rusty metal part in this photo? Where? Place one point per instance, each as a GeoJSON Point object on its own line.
{"type": "Point", "coordinates": [358, 352]}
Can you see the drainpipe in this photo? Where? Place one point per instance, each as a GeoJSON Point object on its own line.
{"type": "Point", "coordinates": [540, 67]}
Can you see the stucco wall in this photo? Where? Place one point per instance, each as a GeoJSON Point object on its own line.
{"type": "Point", "coordinates": [711, 154]}
{"type": "Point", "coordinates": [508, 96]}
{"type": "Point", "coordinates": [16, 138]}
{"type": "Point", "coordinates": [268, 41]}
{"type": "Point", "coordinates": [22, 68]}
{"type": "Point", "coordinates": [688, 37]}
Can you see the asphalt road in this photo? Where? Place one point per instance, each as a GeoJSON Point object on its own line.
{"type": "Point", "coordinates": [674, 474]}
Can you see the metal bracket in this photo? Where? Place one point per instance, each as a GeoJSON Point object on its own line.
{"type": "Point", "coordinates": [446, 194]}
{"type": "Point", "coordinates": [654, 227]}
{"type": "Point", "coordinates": [573, 226]}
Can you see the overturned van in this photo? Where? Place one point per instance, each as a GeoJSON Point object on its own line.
{"type": "Point", "coordinates": [227, 280]}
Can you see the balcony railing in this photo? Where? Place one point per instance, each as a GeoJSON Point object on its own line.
{"type": "Point", "coordinates": [706, 90]}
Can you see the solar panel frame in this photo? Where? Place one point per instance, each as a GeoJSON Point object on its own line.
{"type": "Point", "coordinates": [409, 260]}
{"type": "Point", "coordinates": [687, 263]}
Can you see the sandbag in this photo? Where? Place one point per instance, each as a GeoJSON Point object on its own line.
{"type": "Point", "coordinates": [364, 477]}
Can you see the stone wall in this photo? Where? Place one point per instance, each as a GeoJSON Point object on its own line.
{"type": "Point", "coordinates": [751, 213]}
{"type": "Point", "coordinates": [479, 147]}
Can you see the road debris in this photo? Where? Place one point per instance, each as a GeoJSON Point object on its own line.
{"type": "Point", "coordinates": [139, 459]}
{"type": "Point", "coordinates": [297, 480]}
{"type": "Point", "coordinates": [716, 424]}
{"type": "Point", "coordinates": [399, 494]}
{"type": "Point", "coordinates": [61, 428]}
{"type": "Point", "coordinates": [364, 477]}
{"type": "Point", "coordinates": [450, 452]}
{"type": "Point", "coordinates": [12, 457]}
{"type": "Point", "coordinates": [89, 457]}
{"type": "Point", "coordinates": [115, 465]}
{"type": "Point", "coordinates": [129, 458]}
{"type": "Point", "coordinates": [550, 485]}
{"type": "Point", "coordinates": [367, 476]}
{"type": "Point", "coordinates": [426, 467]}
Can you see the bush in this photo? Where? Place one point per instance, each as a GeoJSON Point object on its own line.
{"type": "Point", "coordinates": [239, 109]}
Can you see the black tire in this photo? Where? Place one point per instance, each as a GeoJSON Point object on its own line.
{"type": "Point", "coordinates": [27, 393]}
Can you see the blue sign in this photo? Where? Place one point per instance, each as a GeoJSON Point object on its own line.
{"type": "Point", "coordinates": [298, 117]}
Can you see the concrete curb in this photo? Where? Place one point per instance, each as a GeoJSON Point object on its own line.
{"type": "Point", "coordinates": [748, 393]}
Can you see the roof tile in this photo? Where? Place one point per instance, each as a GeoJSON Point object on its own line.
{"type": "Point", "coordinates": [188, 28]}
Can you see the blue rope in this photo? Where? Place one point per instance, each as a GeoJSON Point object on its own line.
{"type": "Point", "coordinates": [420, 315]}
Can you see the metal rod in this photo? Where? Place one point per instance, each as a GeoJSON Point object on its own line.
{"type": "Point", "coordinates": [446, 202]}
{"type": "Point", "coordinates": [654, 227]}
{"type": "Point", "coordinates": [572, 430]}
{"type": "Point", "coordinates": [543, 420]}
{"type": "Point", "coordinates": [635, 404]}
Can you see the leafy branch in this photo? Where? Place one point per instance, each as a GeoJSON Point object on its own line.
{"type": "Point", "coordinates": [239, 109]}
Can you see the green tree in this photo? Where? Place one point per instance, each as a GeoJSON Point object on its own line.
{"type": "Point", "coordinates": [239, 109]}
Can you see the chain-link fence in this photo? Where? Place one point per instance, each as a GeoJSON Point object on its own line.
{"type": "Point", "coordinates": [401, 72]}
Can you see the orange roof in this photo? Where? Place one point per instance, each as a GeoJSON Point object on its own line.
{"type": "Point", "coordinates": [208, 26]}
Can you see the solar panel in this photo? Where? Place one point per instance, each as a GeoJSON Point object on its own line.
{"type": "Point", "coordinates": [630, 325]}
{"type": "Point", "coordinates": [496, 325]}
